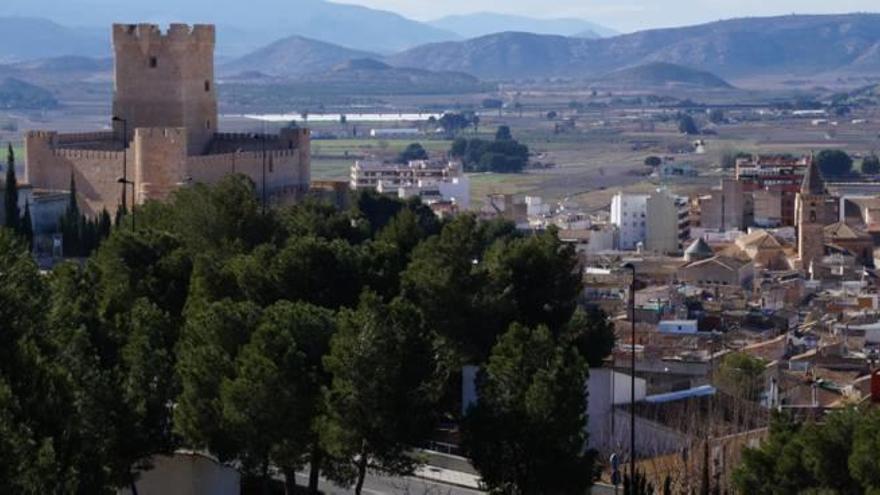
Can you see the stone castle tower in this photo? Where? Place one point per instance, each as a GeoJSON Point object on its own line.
{"type": "Point", "coordinates": [812, 213]}
{"type": "Point", "coordinates": [165, 80]}
{"type": "Point", "coordinates": [164, 131]}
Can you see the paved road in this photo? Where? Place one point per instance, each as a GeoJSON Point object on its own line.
{"type": "Point", "coordinates": [382, 485]}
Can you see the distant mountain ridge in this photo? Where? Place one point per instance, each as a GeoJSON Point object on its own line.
{"type": "Point", "coordinates": [734, 48]}
{"type": "Point", "coordinates": [484, 23]}
{"type": "Point", "coordinates": [28, 38]}
{"type": "Point", "coordinates": [295, 56]}
{"type": "Point", "coordinates": [245, 26]}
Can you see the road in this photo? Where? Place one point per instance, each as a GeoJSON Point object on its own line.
{"type": "Point", "coordinates": [383, 485]}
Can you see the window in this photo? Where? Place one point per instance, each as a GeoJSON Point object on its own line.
{"type": "Point", "coordinates": [207, 86]}
{"type": "Point", "coordinates": [154, 62]}
{"type": "Point", "coordinates": [207, 124]}
{"type": "Point", "coordinates": [812, 217]}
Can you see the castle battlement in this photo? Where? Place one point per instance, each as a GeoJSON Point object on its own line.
{"type": "Point", "coordinates": [85, 137]}
{"type": "Point", "coordinates": [151, 33]}
{"type": "Point", "coordinates": [81, 154]}
{"type": "Point", "coordinates": [160, 132]}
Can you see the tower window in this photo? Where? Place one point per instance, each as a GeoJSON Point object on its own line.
{"type": "Point", "coordinates": [207, 86]}
{"type": "Point", "coordinates": [207, 124]}
{"type": "Point", "coordinates": [812, 217]}
{"type": "Point", "coordinates": [154, 62]}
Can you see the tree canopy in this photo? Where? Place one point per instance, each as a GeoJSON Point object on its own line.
{"type": "Point", "coordinates": [834, 163]}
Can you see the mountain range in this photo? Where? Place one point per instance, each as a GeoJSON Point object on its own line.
{"type": "Point", "coordinates": [483, 23]}
{"type": "Point", "coordinates": [792, 45]}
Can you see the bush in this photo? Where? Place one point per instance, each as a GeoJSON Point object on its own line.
{"type": "Point", "coordinates": [653, 161]}
{"type": "Point", "coordinates": [871, 165]}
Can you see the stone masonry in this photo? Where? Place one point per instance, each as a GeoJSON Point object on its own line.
{"type": "Point", "coordinates": [164, 130]}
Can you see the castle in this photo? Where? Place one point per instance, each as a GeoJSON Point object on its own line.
{"type": "Point", "coordinates": [164, 130]}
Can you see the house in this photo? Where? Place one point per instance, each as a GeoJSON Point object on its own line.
{"type": "Point", "coordinates": [718, 272]}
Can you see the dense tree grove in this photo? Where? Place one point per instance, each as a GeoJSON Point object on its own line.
{"type": "Point", "coordinates": [304, 338]}
{"type": "Point", "coordinates": [838, 455]}
{"type": "Point", "coordinates": [503, 155]}
{"type": "Point", "coordinates": [834, 163]}
{"type": "Point", "coordinates": [16, 220]}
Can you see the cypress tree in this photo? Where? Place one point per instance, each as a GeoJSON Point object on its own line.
{"type": "Point", "coordinates": [11, 192]}
{"type": "Point", "coordinates": [26, 227]}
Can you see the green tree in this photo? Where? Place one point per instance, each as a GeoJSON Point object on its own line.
{"type": "Point", "coordinates": [210, 344]}
{"type": "Point", "coordinates": [871, 164]}
{"type": "Point", "coordinates": [687, 124]}
{"type": "Point", "coordinates": [653, 161]}
{"type": "Point", "coordinates": [592, 334]}
{"type": "Point", "coordinates": [27, 227]}
{"type": "Point", "coordinates": [834, 163]}
{"type": "Point", "coordinates": [503, 133]}
{"type": "Point", "coordinates": [526, 434]}
{"type": "Point", "coordinates": [10, 193]}
{"type": "Point", "coordinates": [381, 400]}
{"type": "Point", "coordinates": [271, 405]}
{"type": "Point", "coordinates": [716, 116]}
{"type": "Point", "coordinates": [414, 151]}
{"type": "Point", "coordinates": [741, 376]}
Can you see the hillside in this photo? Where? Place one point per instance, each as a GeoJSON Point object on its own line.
{"type": "Point", "coordinates": [23, 38]}
{"type": "Point", "coordinates": [294, 56]}
{"type": "Point", "coordinates": [20, 95]}
{"type": "Point", "coordinates": [660, 74]}
{"type": "Point", "coordinates": [363, 77]}
{"type": "Point", "coordinates": [245, 26]}
{"type": "Point", "coordinates": [796, 45]}
{"type": "Point", "coordinates": [483, 23]}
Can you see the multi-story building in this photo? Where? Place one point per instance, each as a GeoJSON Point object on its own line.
{"type": "Point", "coordinates": [781, 177]}
{"type": "Point", "coordinates": [727, 208]}
{"type": "Point", "coordinates": [629, 213]}
{"type": "Point", "coordinates": [369, 174]}
{"type": "Point", "coordinates": [433, 181]}
{"type": "Point", "coordinates": [668, 222]}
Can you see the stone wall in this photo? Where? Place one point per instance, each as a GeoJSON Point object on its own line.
{"type": "Point", "coordinates": [49, 166]}
{"type": "Point", "coordinates": [166, 80]}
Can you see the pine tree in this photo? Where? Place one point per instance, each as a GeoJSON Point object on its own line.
{"type": "Point", "coordinates": [11, 192]}
{"type": "Point", "coordinates": [26, 228]}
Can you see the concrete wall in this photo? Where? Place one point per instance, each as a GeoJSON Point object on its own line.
{"type": "Point", "coordinates": [187, 474]}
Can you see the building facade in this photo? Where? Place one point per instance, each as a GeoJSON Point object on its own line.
{"type": "Point", "coordinates": [164, 130]}
{"type": "Point", "coordinates": [629, 213]}
{"type": "Point", "coordinates": [668, 223]}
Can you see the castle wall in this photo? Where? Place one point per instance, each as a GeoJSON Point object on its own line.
{"type": "Point", "coordinates": [160, 162]}
{"type": "Point", "coordinates": [49, 166]}
{"type": "Point", "coordinates": [166, 80]}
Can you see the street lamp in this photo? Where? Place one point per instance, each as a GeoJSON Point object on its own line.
{"type": "Point", "coordinates": [125, 182]}
{"type": "Point", "coordinates": [632, 388]}
{"type": "Point", "coordinates": [124, 156]}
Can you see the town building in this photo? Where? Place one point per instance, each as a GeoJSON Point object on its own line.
{"type": "Point", "coordinates": [668, 222]}
{"type": "Point", "coordinates": [727, 207]}
{"type": "Point", "coordinates": [164, 131]}
{"type": "Point", "coordinates": [629, 214]}
{"type": "Point", "coordinates": [366, 174]}
{"type": "Point", "coordinates": [775, 181]}
{"type": "Point", "coordinates": [814, 209]}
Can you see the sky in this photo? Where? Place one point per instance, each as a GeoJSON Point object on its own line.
{"type": "Point", "coordinates": [623, 15]}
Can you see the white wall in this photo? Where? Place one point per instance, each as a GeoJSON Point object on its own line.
{"type": "Point", "coordinates": [629, 214]}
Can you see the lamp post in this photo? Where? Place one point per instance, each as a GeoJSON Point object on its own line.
{"type": "Point", "coordinates": [632, 388]}
{"type": "Point", "coordinates": [125, 182]}
{"type": "Point", "coordinates": [124, 157]}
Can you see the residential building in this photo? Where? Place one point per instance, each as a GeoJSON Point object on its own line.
{"type": "Point", "coordinates": [780, 178]}
{"type": "Point", "coordinates": [718, 272]}
{"type": "Point", "coordinates": [668, 223]}
{"type": "Point", "coordinates": [727, 207]}
{"type": "Point", "coordinates": [629, 213]}
{"type": "Point", "coordinates": [369, 174]}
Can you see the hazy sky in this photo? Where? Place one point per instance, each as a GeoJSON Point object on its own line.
{"type": "Point", "coordinates": [624, 15]}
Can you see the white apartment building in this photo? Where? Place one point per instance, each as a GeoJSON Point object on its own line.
{"type": "Point", "coordinates": [455, 190]}
{"type": "Point", "coordinates": [629, 214]}
{"type": "Point", "coordinates": [368, 174]}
